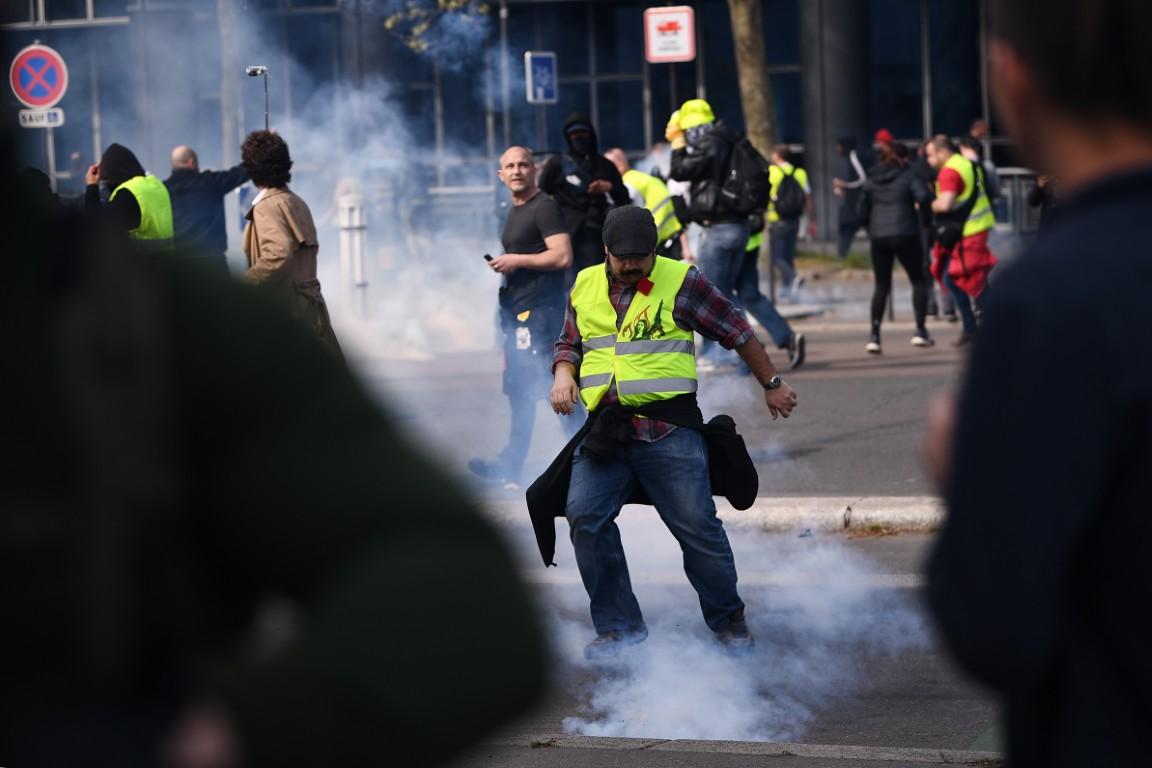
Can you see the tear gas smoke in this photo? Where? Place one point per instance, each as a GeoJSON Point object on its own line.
{"type": "Point", "coordinates": [817, 622]}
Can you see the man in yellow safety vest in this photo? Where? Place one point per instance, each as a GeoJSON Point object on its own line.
{"type": "Point", "coordinates": [961, 260]}
{"type": "Point", "coordinates": [627, 352]}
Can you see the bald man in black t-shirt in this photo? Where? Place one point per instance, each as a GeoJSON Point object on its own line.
{"type": "Point", "coordinates": [537, 251]}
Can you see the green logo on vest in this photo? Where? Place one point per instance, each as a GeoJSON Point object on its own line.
{"type": "Point", "coordinates": [642, 328]}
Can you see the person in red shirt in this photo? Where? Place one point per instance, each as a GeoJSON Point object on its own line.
{"type": "Point", "coordinates": [960, 262]}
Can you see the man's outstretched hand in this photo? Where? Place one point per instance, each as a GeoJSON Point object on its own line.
{"type": "Point", "coordinates": [781, 401]}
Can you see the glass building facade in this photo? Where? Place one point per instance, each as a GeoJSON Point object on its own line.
{"type": "Point", "coordinates": [153, 73]}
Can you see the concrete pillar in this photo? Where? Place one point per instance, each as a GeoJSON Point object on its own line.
{"type": "Point", "coordinates": [834, 37]}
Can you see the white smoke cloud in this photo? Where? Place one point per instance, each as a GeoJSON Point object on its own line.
{"type": "Point", "coordinates": [811, 604]}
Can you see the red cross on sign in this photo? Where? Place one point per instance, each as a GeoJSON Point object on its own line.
{"type": "Point", "coordinates": [38, 76]}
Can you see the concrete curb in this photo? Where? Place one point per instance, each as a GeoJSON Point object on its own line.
{"type": "Point", "coordinates": [906, 755]}
{"type": "Point", "coordinates": [826, 514]}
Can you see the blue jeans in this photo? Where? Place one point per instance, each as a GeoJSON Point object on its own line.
{"type": "Point", "coordinates": [757, 304]}
{"type": "Point", "coordinates": [527, 380]}
{"type": "Point", "coordinates": [963, 305]}
{"type": "Point", "coordinates": [721, 255]}
{"type": "Point", "coordinates": [674, 473]}
{"type": "Point", "coordinates": [782, 236]}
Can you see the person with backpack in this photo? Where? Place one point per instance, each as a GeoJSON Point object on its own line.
{"type": "Point", "coordinates": [728, 182]}
{"type": "Point", "coordinates": [790, 197]}
{"type": "Point", "coordinates": [888, 210]}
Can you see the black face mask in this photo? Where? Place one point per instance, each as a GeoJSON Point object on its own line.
{"type": "Point", "coordinates": [582, 145]}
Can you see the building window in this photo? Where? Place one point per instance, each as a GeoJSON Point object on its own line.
{"type": "Point", "coordinates": [896, 88]}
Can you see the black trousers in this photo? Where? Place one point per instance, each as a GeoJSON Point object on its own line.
{"type": "Point", "coordinates": [886, 251]}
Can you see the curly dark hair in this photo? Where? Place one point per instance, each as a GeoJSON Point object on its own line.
{"type": "Point", "coordinates": [266, 159]}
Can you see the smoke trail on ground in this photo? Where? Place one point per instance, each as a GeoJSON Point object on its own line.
{"type": "Point", "coordinates": [817, 621]}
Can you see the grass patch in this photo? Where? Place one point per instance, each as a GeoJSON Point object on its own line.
{"type": "Point", "coordinates": [810, 259]}
{"type": "Point", "coordinates": [873, 531]}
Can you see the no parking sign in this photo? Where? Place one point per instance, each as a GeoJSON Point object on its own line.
{"type": "Point", "coordinates": [39, 78]}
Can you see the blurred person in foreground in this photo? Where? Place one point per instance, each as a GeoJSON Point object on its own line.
{"type": "Point", "coordinates": [216, 551]}
{"type": "Point", "coordinates": [888, 210]}
{"type": "Point", "coordinates": [627, 354]}
{"type": "Point", "coordinates": [280, 237]}
{"type": "Point", "coordinates": [198, 218]}
{"type": "Point", "coordinates": [537, 251]}
{"type": "Point", "coordinates": [1039, 578]}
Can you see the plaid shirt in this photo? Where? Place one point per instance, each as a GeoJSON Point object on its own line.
{"type": "Point", "coordinates": [699, 307]}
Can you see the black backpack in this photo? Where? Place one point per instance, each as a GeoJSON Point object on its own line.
{"type": "Point", "coordinates": [790, 197]}
{"type": "Point", "coordinates": [746, 189]}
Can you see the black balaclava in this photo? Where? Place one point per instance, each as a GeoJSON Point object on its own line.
{"type": "Point", "coordinates": [118, 165]}
{"type": "Point", "coordinates": [582, 148]}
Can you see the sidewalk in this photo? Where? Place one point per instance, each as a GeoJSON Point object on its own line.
{"type": "Point", "coordinates": [829, 514]}
{"type": "Point", "coordinates": [570, 751]}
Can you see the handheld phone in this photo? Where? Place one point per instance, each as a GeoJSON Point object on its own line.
{"type": "Point", "coordinates": [487, 257]}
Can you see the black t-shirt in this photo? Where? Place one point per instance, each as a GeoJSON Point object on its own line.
{"type": "Point", "coordinates": [524, 232]}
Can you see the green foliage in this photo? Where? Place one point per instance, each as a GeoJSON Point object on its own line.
{"type": "Point", "coordinates": [415, 21]}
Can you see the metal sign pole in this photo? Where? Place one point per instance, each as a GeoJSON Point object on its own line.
{"type": "Point", "coordinates": [51, 150]}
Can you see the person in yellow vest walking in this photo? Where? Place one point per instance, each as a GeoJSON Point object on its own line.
{"type": "Point", "coordinates": [961, 260]}
{"type": "Point", "coordinates": [137, 202]}
{"type": "Point", "coordinates": [650, 192]}
{"type": "Point", "coordinates": [627, 353]}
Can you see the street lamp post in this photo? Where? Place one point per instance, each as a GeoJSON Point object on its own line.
{"type": "Point", "coordinates": [261, 71]}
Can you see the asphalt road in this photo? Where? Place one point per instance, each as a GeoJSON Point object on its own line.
{"type": "Point", "coordinates": [856, 431]}
{"type": "Point", "coordinates": [846, 662]}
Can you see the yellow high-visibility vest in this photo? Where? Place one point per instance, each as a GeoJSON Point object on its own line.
{"type": "Point", "coordinates": [776, 174]}
{"type": "Point", "coordinates": [649, 358]}
{"type": "Point", "coordinates": [981, 217]}
{"type": "Point", "coordinates": [657, 199]}
{"type": "Point", "coordinates": [155, 207]}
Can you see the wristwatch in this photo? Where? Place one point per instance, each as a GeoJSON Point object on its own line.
{"type": "Point", "coordinates": [773, 383]}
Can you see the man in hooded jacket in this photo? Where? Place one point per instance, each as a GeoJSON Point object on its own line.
{"type": "Point", "coordinates": [585, 184]}
{"type": "Point", "coordinates": [137, 202]}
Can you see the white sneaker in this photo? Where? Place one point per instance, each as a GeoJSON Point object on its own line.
{"type": "Point", "coordinates": [923, 340]}
{"type": "Point", "coordinates": [704, 365]}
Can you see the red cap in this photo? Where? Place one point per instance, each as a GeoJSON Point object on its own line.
{"type": "Point", "coordinates": [884, 136]}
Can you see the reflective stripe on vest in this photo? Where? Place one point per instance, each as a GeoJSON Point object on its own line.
{"type": "Point", "coordinates": [981, 218]}
{"type": "Point", "coordinates": [650, 358]}
{"type": "Point", "coordinates": [155, 207]}
{"type": "Point", "coordinates": [657, 199]}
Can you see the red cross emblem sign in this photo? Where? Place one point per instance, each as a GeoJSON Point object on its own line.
{"type": "Point", "coordinates": [38, 77]}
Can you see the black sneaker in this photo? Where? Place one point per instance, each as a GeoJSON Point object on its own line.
{"type": "Point", "coordinates": [873, 345]}
{"type": "Point", "coordinates": [736, 637]}
{"type": "Point", "coordinates": [607, 645]}
{"type": "Point", "coordinates": [795, 351]}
